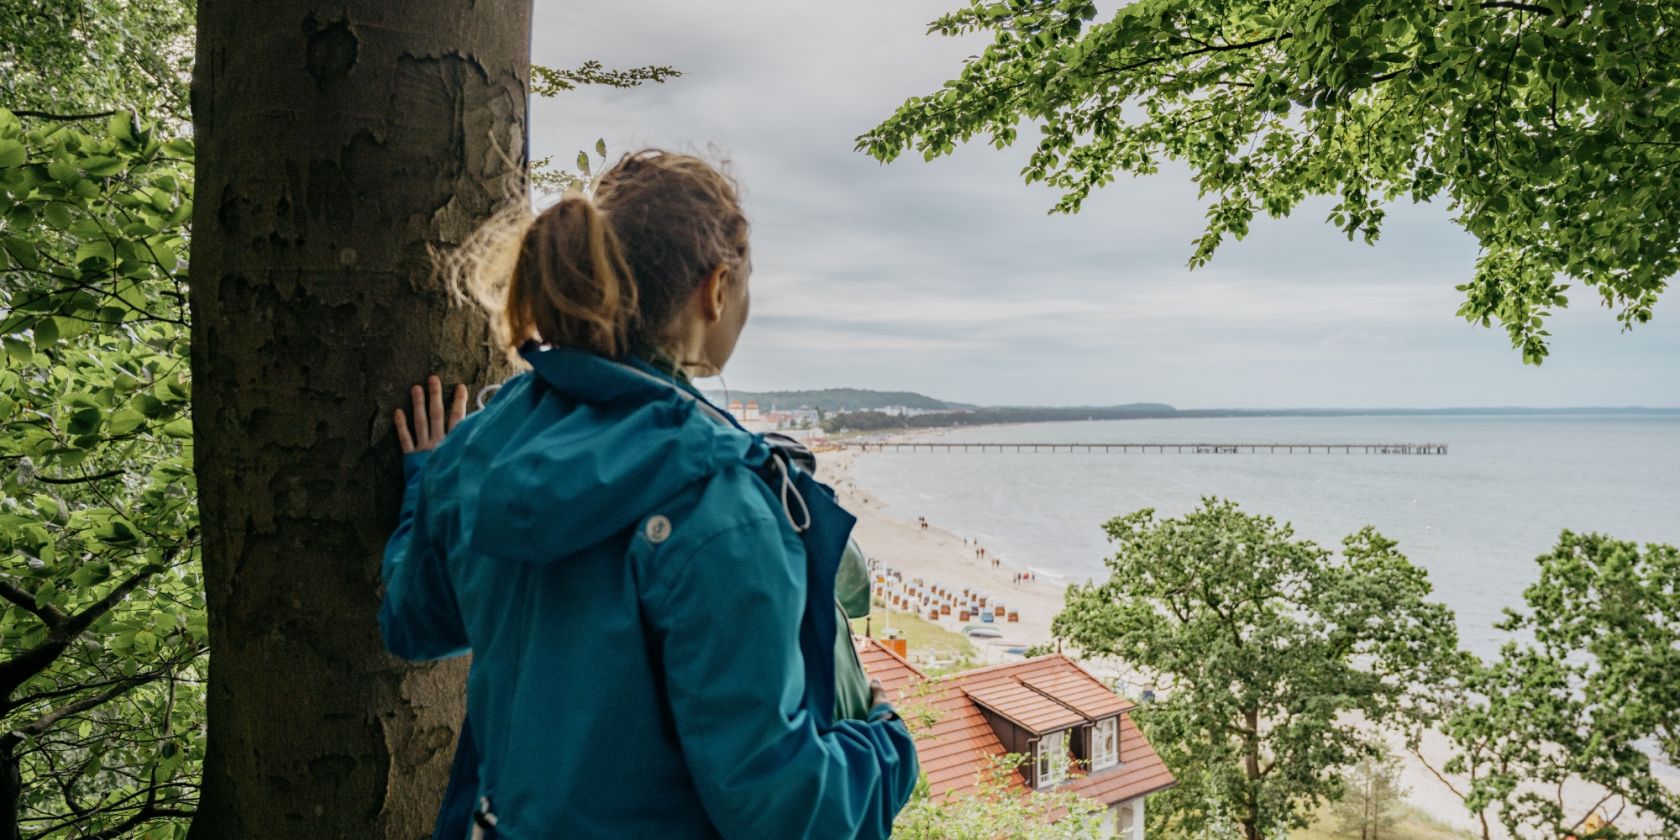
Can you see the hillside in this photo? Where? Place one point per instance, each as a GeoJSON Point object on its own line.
{"type": "Point", "coordinates": [831, 400]}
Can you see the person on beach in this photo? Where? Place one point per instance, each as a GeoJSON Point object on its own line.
{"type": "Point", "coordinates": [647, 590]}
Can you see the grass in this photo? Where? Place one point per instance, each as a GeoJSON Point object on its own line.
{"type": "Point", "coordinates": [1414, 824]}
{"type": "Point", "coordinates": [926, 639]}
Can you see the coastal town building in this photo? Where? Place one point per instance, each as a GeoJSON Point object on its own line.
{"type": "Point", "coordinates": [1076, 734]}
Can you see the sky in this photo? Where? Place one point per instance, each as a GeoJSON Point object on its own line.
{"type": "Point", "coordinates": [951, 279]}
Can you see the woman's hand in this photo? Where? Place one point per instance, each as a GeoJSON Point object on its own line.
{"type": "Point", "coordinates": [877, 694]}
{"type": "Point", "coordinates": [430, 423]}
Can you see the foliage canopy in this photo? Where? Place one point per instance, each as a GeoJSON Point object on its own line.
{"type": "Point", "coordinates": [1549, 128]}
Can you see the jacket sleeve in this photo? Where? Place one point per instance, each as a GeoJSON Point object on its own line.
{"type": "Point", "coordinates": [418, 616]}
{"type": "Point", "coordinates": [762, 766]}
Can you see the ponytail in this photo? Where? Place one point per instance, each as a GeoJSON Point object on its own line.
{"type": "Point", "coordinates": [571, 284]}
{"type": "Point", "coordinates": [608, 274]}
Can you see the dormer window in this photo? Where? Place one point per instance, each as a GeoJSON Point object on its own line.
{"type": "Point", "coordinates": [1052, 758]}
{"type": "Point", "coordinates": [1105, 743]}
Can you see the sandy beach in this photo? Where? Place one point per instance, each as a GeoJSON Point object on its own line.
{"type": "Point", "coordinates": [939, 556]}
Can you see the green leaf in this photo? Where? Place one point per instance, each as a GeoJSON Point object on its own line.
{"type": "Point", "coordinates": [601, 147]}
{"type": "Point", "coordinates": [22, 252]}
{"type": "Point", "coordinates": [91, 574]}
{"type": "Point", "coordinates": [101, 167]}
{"type": "Point", "coordinates": [120, 127]}
{"type": "Point", "coordinates": [98, 249]}
{"type": "Point", "coordinates": [46, 332]}
{"type": "Point", "coordinates": [124, 421]}
{"type": "Point", "coordinates": [63, 172]}
{"type": "Point", "coordinates": [149, 406]}
{"type": "Point", "coordinates": [18, 350]}
{"type": "Point", "coordinates": [12, 154]}
{"type": "Point", "coordinates": [179, 428]}
{"type": "Point", "coordinates": [85, 421]}
{"type": "Point", "coordinates": [57, 215]}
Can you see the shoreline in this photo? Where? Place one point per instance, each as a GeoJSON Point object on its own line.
{"type": "Point", "coordinates": [939, 556]}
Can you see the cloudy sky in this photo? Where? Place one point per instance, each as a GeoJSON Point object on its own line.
{"type": "Point", "coordinates": [949, 278]}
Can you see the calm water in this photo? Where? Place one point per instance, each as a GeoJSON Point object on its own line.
{"type": "Point", "coordinates": [1475, 519]}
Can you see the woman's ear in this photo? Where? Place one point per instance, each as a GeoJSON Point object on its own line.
{"type": "Point", "coordinates": [714, 294]}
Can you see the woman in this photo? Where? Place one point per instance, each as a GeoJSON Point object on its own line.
{"type": "Point", "coordinates": [646, 589]}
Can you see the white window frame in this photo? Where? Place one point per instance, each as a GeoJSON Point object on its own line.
{"type": "Point", "coordinates": [1104, 755]}
{"type": "Point", "coordinates": [1052, 758]}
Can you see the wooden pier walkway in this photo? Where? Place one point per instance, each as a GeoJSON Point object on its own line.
{"type": "Point", "coordinates": [1185, 447]}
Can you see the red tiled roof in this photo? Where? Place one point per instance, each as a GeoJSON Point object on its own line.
{"type": "Point", "coordinates": [881, 663]}
{"type": "Point", "coordinates": [1031, 709]}
{"type": "Point", "coordinates": [1079, 691]}
{"type": "Point", "coordinates": [956, 745]}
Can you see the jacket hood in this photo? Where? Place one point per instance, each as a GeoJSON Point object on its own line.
{"type": "Point", "coordinates": [584, 447]}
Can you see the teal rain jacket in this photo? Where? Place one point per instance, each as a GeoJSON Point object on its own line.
{"type": "Point", "coordinates": [653, 645]}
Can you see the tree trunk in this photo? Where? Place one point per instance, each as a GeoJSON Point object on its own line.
{"type": "Point", "coordinates": [1251, 769]}
{"type": "Point", "coordinates": [11, 789]}
{"type": "Point", "coordinates": [338, 144]}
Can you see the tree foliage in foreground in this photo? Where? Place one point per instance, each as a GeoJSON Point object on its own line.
{"type": "Point", "coordinates": [74, 57]}
{"type": "Point", "coordinates": [997, 809]}
{"type": "Point", "coordinates": [1567, 721]}
{"type": "Point", "coordinates": [1550, 128]}
{"type": "Point", "coordinates": [1267, 647]}
{"type": "Point", "coordinates": [103, 636]}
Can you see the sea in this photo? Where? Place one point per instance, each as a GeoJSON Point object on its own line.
{"type": "Point", "coordinates": [1475, 519]}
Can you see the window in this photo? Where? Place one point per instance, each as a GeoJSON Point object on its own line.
{"type": "Point", "coordinates": [1105, 743]}
{"type": "Point", "coordinates": [1052, 758]}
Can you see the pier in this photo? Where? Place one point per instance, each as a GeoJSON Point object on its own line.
{"type": "Point", "coordinates": [1183, 448]}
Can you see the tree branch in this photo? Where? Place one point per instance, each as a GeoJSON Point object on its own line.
{"type": "Point", "coordinates": [166, 669]}
{"type": "Point", "coordinates": [83, 480]}
{"type": "Point", "coordinates": [49, 614]}
{"type": "Point", "coordinates": [1211, 48]}
{"type": "Point", "coordinates": [48, 115]}
{"type": "Point", "coordinates": [15, 671]}
{"type": "Point", "coordinates": [42, 723]}
{"type": "Point", "coordinates": [1521, 7]}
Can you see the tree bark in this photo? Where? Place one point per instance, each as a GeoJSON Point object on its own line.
{"type": "Point", "coordinates": [11, 788]}
{"type": "Point", "coordinates": [1251, 767]}
{"type": "Point", "coordinates": [339, 145]}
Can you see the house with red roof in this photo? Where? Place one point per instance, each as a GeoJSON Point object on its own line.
{"type": "Point", "coordinates": [1076, 734]}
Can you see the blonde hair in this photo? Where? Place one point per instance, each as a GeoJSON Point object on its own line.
{"type": "Point", "coordinates": [610, 273]}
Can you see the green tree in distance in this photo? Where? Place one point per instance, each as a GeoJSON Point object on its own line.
{"type": "Point", "coordinates": [1267, 647]}
{"type": "Point", "coordinates": [1550, 128]}
{"type": "Point", "coordinates": [1369, 809]}
{"type": "Point", "coordinates": [1582, 699]}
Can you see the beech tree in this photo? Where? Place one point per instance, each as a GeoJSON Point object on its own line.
{"type": "Point", "coordinates": [1549, 128]}
{"type": "Point", "coordinates": [340, 147]}
{"type": "Point", "coordinates": [1267, 648]}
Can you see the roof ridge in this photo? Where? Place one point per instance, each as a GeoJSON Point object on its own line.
{"type": "Point", "coordinates": [991, 707]}
{"type": "Point", "coordinates": [1001, 666]}
{"type": "Point", "coordinates": [1057, 700]}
